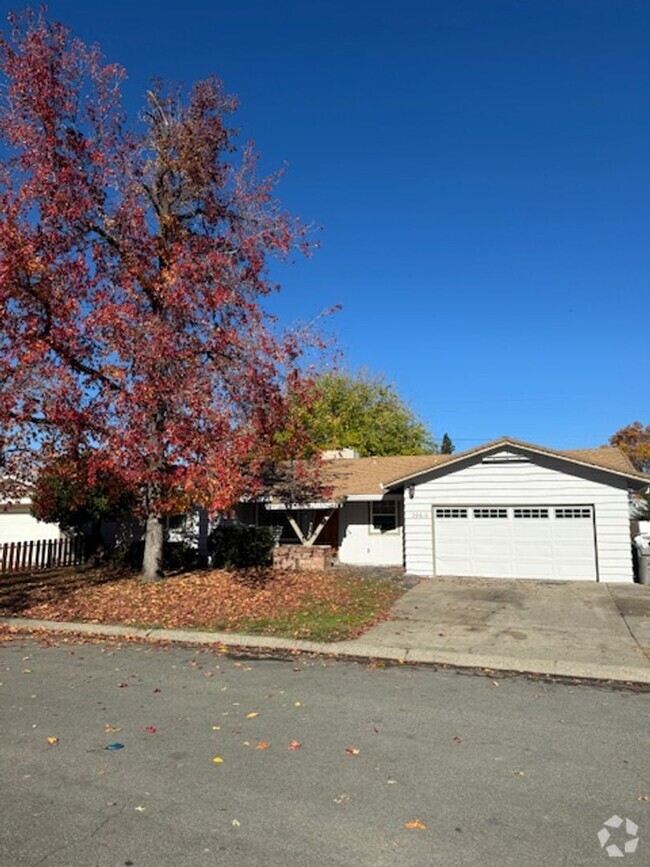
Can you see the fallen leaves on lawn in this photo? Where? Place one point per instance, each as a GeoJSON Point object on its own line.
{"type": "Point", "coordinates": [213, 599]}
{"type": "Point", "coordinates": [415, 825]}
{"type": "Point", "coordinates": [295, 745]}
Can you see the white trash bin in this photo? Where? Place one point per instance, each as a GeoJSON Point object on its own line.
{"type": "Point", "coordinates": [642, 545]}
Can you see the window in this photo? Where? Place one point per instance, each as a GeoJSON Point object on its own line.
{"type": "Point", "coordinates": [384, 516]}
{"type": "Point", "coordinates": [451, 513]}
{"type": "Point", "coordinates": [490, 513]}
{"type": "Point", "coordinates": [573, 512]}
{"type": "Point", "coordinates": [531, 513]}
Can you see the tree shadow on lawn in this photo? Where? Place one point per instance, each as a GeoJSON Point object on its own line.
{"type": "Point", "coordinates": [19, 591]}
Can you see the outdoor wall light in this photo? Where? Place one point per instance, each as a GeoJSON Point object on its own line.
{"type": "Point", "coordinates": [411, 491]}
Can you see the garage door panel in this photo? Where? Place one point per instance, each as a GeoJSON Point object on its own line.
{"type": "Point", "coordinates": [539, 542]}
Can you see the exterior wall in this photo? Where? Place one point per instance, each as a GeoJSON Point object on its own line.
{"type": "Point", "coordinates": [361, 545]}
{"type": "Point", "coordinates": [17, 525]}
{"type": "Point", "coordinates": [540, 481]}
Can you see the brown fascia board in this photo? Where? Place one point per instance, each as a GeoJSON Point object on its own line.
{"type": "Point", "coordinates": [505, 442]}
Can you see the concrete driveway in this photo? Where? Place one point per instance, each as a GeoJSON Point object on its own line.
{"type": "Point", "coordinates": [575, 629]}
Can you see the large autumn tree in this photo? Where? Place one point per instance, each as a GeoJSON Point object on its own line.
{"type": "Point", "coordinates": [133, 268]}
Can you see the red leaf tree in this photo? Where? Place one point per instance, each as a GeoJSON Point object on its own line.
{"type": "Point", "coordinates": [133, 267]}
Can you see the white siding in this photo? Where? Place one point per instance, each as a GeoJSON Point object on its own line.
{"type": "Point", "coordinates": [17, 525]}
{"type": "Point", "coordinates": [361, 545]}
{"type": "Point", "coordinates": [539, 482]}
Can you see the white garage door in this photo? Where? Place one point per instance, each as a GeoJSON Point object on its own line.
{"type": "Point", "coordinates": [515, 542]}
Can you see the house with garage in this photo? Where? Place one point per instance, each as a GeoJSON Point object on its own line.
{"type": "Point", "coordinates": [506, 509]}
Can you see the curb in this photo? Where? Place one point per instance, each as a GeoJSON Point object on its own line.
{"type": "Point", "coordinates": [357, 650]}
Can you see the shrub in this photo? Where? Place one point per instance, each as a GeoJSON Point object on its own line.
{"type": "Point", "coordinates": [238, 546]}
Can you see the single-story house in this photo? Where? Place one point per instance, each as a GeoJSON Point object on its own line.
{"type": "Point", "coordinates": [503, 509]}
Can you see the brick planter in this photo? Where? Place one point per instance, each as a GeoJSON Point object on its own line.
{"type": "Point", "coordinates": [302, 558]}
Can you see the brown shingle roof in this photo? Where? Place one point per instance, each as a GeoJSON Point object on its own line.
{"type": "Point", "coordinates": [350, 476]}
{"type": "Point", "coordinates": [606, 457]}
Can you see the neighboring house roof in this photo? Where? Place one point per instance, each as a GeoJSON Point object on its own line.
{"type": "Point", "coordinates": [606, 458]}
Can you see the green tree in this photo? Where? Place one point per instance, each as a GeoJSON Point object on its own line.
{"type": "Point", "coordinates": [447, 447]}
{"type": "Point", "coordinates": [365, 413]}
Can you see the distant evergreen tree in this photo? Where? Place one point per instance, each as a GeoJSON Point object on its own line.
{"type": "Point", "coordinates": [447, 447]}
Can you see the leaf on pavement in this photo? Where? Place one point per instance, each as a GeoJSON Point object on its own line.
{"type": "Point", "coordinates": [295, 745]}
{"type": "Point", "coordinates": [150, 730]}
{"type": "Point", "coordinates": [109, 729]}
{"type": "Point", "coordinates": [457, 740]}
{"type": "Point", "coordinates": [352, 751]}
{"type": "Point", "coordinates": [252, 715]}
{"type": "Point", "coordinates": [52, 741]}
{"type": "Point", "coordinates": [262, 746]}
{"type": "Point", "coordinates": [217, 760]}
{"type": "Point", "coordinates": [415, 825]}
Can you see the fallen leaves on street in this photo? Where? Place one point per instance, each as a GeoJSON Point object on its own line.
{"type": "Point", "coordinates": [415, 825]}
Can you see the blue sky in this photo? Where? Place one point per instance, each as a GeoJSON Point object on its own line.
{"type": "Point", "coordinates": [481, 169]}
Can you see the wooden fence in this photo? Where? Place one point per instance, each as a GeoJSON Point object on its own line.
{"type": "Point", "coordinates": [42, 554]}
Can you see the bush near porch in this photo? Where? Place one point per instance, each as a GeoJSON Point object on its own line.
{"type": "Point", "coordinates": [322, 606]}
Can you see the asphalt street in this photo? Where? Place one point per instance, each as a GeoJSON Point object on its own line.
{"type": "Point", "coordinates": [485, 771]}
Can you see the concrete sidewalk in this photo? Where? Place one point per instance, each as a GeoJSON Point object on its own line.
{"type": "Point", "coordinates": [572, 629]}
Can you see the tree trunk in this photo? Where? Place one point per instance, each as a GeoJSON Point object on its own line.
{"type": "Point", "coordinates": [153, 549]}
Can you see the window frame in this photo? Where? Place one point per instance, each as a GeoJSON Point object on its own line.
{"type": "Point", "coordinates": [395, 512]}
